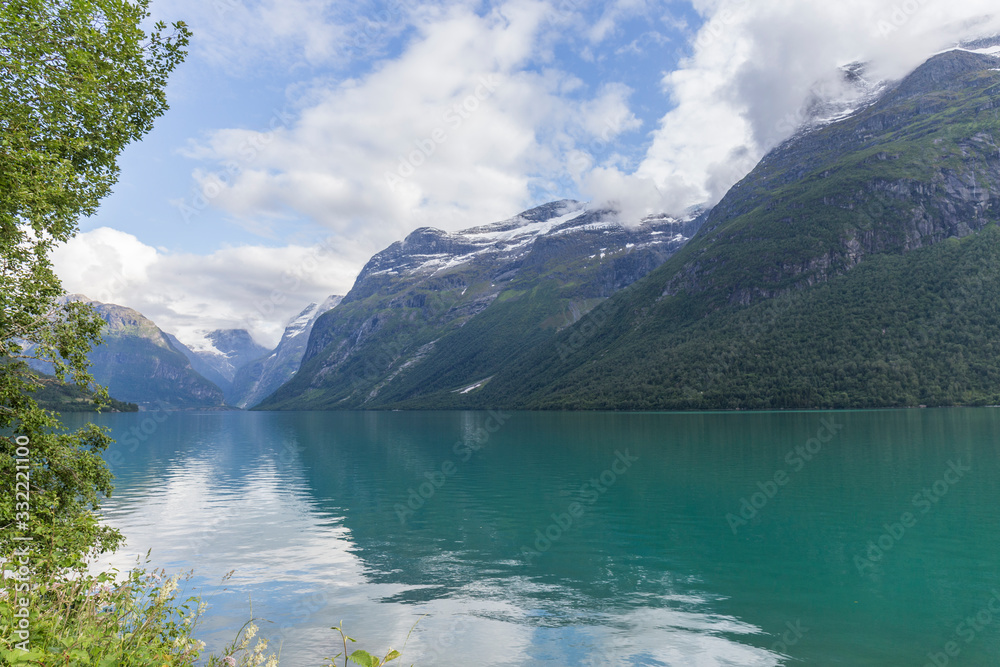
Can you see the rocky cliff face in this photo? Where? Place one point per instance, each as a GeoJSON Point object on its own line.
{"type": "Point", "coordinates": [417, 302]}
{"type": "Point", "coordinates": [919, 166]}
{"type": "Point", "coordinates": [878, 233]}
{"type": "Point", "coordinates": [259, 379]}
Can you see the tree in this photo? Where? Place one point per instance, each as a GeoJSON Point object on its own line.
{"type": "Point", "coordinates": [79, 81]}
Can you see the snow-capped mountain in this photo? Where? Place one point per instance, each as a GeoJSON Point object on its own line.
{"type": "Point", "coordinates": [443, 310]}
{"type": "Point", "coordinates": [853, 88]}
{"type": "Point", "coordinates": [255, 381]}
{"type": "Point", "coordinates": [429, 251]}
{"type": "Point", "coordinates": [220, 354]}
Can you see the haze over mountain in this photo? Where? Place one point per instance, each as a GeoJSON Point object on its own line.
{"type": "Point", "coordinates": [221, 354]}
{"type": "Point", "coordinates": [776, 297]}
{"type": "Point", "coordinates": [142, 364]}
{"type": "Point", "coordinates": [856, 266]}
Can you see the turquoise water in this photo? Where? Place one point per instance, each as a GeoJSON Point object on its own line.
{"type": "Point", "coordinates": [865, 538]}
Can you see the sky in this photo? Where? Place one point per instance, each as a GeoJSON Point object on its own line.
{"type": "Point", "coordinates": [304, 136]}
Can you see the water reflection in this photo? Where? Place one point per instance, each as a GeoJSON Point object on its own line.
{"type": "Point", "coordinates": [303, 508]}
{"type": "Point", "coordinates": [306, 508]}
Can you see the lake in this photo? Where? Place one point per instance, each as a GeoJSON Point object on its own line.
{"type": "Point", "coordinates": [744, 539]}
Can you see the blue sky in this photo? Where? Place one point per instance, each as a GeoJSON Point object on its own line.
{"type": "Point", "coordinates": [160, 201]}
{"type": "Point", "coordinates": [306, 135]}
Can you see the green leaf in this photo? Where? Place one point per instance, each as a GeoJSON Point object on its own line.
{"type": "Point", "coordinates": [391, 655]}
{"type": "Point", "coordinates": [18, 657]}
{"type": "Point", "coordinates": [363, 658]}
{"type": "Point", "coordinates": [79, 655]}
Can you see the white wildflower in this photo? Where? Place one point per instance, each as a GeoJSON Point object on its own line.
{"type": "Point", "coordinates": [169, 586]}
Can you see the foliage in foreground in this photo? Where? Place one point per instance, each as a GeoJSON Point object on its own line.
{"type": "Point", "coordinates": [80, 81]}
{"type": "Point", "coordinates": [83, 619]}
{"type": "Point", "coordinates": [362, 657]}
{"type": "Point", "coordinates": [92, 620]}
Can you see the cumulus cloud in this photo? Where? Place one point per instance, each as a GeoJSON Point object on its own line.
{"type": "Point", "coordinates": [251, 287]}
{"type": "Point", "coordinates": [756, 64]}
{"type": "Point", "coordinates": [454, 132]}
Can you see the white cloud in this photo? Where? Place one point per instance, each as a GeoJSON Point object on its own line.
{"type": "Point", "coordinates": [241, 36]}
{"type": "Point", "coordinates": [755, 63]}
{"type": "Point", "coordinates": [614, 13]}
{"type": "Point", "coordinates": [632, 196]}
{"type": "Point", "coordinates": [451, 133]}
{"type": "Point", "coordinates": [250, 287]}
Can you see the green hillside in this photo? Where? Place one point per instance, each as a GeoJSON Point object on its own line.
{"type": "Point", "coordinates": [406, 333]}
{"type": "Point", "coordinates": [59, 397]}
{"type": "Point", "coordinates": [137, 363]}
{"type": "Point", "coordinates": [832, 276]}
{"type": "Point", "coordinates": [855, 266]}
{"type": "Point", "coordinates": [917, 329]}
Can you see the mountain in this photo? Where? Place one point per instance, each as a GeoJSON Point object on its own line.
{"type": "Point", "coordinates": [856, 266]}
{"type": "Point", "coordinates": [138, 364]}
{"type": "Point", "coordinates": [220, 355]}
{"type": "Point", "coordinates": [443, 312]}
{"type": "Point", "coordinates": [259, 379]}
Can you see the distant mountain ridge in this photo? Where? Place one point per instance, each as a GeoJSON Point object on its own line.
{"type": "Point", "coordinates": [790, 293]}
{"type": "Point", "coordinates": [257, 380]}
{"type": "Point", "coordinates": [855, 266]}
{"type": "Point", "coordinates": [141, 364]}
{"type": "Point", "coordinates": [222, 355]}
{"type": "Point", "coordinates": [138, 363]}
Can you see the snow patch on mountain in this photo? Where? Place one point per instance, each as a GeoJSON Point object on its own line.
{"type": "Point", "coordinates": [431, 251]}
{"type": "Point", "coordinates": [256, 381]}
